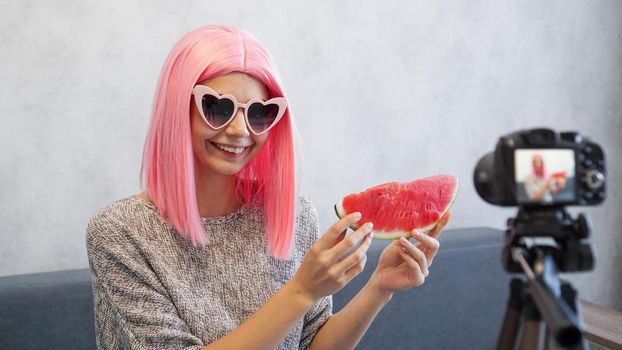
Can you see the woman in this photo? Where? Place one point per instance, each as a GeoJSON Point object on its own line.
{"type": "Point", "coordinates": [219, 252]}
{"type": "Point", "coordinates": [539, 186]}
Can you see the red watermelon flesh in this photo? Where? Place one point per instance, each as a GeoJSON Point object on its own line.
{"type": "Point", "coordinates": [560, 174]}
{"type": "Point", "coordinates": [395, 208]}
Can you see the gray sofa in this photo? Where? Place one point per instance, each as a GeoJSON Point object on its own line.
{"type": "Point", "coordinates": [461, 304]}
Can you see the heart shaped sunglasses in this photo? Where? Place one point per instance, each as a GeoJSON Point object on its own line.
{"type": "Point", "coordinates": [219, 110]}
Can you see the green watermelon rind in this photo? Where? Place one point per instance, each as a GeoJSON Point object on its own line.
{"type": "Point", "coordinates": [392, 235]}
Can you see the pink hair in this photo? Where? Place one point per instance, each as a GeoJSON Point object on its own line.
{"type": "Point", "coordinates": [167, 170]}
{"type": "Point", "coordinates": [539, 172]}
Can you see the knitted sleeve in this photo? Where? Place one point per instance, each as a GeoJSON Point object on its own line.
{"type": "Point", "coordinates": [321, 311]}
{"type": "Point", "coordinates": [128, 293]}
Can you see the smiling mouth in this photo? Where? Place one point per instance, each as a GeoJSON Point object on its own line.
{"type": "Point", "coordinates": [230, 150]}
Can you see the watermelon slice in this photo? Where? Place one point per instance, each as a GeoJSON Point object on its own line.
{"type": "Point", "coordinates": [560, 175]}
{"type": "Point", "coordinates": [397, 208]}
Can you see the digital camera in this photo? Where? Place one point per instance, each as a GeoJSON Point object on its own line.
{"type": "Point", "coordinates": [542, 168]}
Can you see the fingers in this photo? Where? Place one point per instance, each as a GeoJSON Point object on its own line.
{"type": "Point", "coordinates": [352, 240]}
{"type": "Point", "coordinates": [354, 270]}
{"type": "Point", "coordinates": [441, 224]}
{"type": "Point", "coordinates": [429, 245]}
{"type": "Point", "coordinates": [416, 254]}
{"type": "Point", "coordinates": [412, 264]}
{"type": "Point", "coordinates": [331, 235]}
{"type": "Point", "coordinates": [357, 257]}
{"type": "Point", "coordinates": [340, 237]}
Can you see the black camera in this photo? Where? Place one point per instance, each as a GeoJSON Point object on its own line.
{"type": "Point", "coordinates": [541, 167]}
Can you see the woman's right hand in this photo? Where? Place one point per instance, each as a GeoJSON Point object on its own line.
{"type": "Point", "coordinates": [325, 269]}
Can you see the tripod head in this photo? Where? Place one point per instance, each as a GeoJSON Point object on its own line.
{"type": "Point", "coordinates": [570, 253]}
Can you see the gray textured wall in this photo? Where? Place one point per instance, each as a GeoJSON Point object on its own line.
{"type": "Point", "coordinates": [444, 78]}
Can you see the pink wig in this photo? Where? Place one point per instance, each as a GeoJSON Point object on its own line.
{"type": "Point", "coordinates": [541, 170]}
{"type": "Point", "coordinates": [167, 170]}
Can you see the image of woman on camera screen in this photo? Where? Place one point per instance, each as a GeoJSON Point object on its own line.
{"type": "Point", "coordinates": [540, 186]}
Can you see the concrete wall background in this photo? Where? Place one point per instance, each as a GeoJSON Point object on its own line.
{"type": "Point", "coordinates": [444, 78]}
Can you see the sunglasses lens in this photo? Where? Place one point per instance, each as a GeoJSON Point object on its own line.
{"type": "Point", "coordinates": [261, 117]}
{"type": "Point", "coordinates": [217, 111]}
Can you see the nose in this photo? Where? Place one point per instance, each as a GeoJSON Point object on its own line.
{"type": "Point", "coordinates": [237, 127]}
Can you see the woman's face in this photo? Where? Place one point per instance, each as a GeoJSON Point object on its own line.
{"type": "Point", "coordinates": [210, 159]}
{"type": "Point", "coordinates": [537, 162]}
{"type": "Point", "coordinates": [538, 165]}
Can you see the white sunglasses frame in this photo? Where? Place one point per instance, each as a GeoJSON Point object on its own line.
{"type": "Point", "coordinates": [201, 90]}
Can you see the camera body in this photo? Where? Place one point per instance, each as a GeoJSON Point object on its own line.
{"type": "Point", "coordinates": [542, 168]}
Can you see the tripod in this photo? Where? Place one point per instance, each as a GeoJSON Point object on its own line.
{"type": "Point", "coordinates": [542, 296]}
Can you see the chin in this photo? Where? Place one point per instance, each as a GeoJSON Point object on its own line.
{"type": "Point", "coordinates": [224, 169]}
{"type": "Point", "coordinates": [229, 171]}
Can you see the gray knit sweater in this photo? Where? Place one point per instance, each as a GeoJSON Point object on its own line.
{"type": "Point", "coordinates": [154, 290]}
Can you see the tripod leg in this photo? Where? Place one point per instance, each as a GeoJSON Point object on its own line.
{"type": "Point", "coordinates": [532, 327]}
{"type": "Point", "coordinates": [547, 338]}
{"type": "Point", "coordinates": [530, 339]}
{"type": "Point", "coordinates": [507, 338]}
{"type": "Point", "coordinates": [511, 320]}
{"type": "Point", "coordinates": [569, 294]}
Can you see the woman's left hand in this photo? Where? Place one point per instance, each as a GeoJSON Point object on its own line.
{"type": "Point", "coordinates": [403, 265]}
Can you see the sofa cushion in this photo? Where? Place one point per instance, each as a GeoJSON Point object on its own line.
{"type": "Point", "coordinates": [461, 304]}
{"type": "Point", "coordinates": [51, 310]}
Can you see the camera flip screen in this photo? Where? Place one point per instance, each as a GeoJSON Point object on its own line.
{"type": "Point", "coordinates": [544, 176]}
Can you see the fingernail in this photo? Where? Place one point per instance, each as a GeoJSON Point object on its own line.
{"type": "Point", "coordinates": [416, 232]}
{"type": "Point", "coordinates": [403, 240]}
{"type": "Point", "coordinates": [357, 216]}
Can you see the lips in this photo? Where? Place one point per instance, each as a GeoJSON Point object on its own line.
{"type": "Point", "coordinates": [228, 152]}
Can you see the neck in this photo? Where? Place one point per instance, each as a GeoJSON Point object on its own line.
{"type": "Point", "coordinates": [216, 195]}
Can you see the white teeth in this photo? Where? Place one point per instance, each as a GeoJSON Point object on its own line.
{"type": "Point", "coordinates": [230, 149]}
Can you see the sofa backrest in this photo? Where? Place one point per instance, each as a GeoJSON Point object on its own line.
{"type": "Point", "coordinates": [460, 306]}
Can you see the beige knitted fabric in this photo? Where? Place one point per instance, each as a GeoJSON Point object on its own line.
{"type": "Point", "coordinates": [154, 290]}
